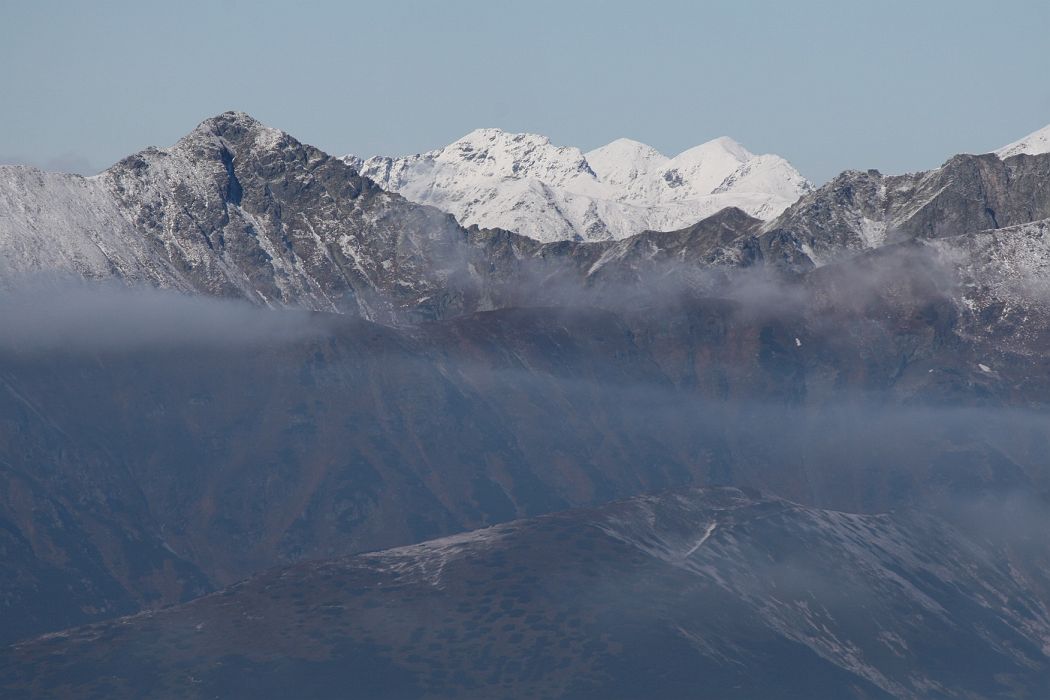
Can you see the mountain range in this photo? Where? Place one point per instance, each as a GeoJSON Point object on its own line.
{"type": "Point", "coordinates": [240, 353]}
{"type": "Point", "coordinates": [523, 183]}
{"type": "Point", "coordinates": [240, 210]}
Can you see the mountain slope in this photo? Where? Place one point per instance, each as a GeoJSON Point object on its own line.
{"type": "Point", "coordinates": [859, 211]}
{"type": "Point", "coordinates": [1035, 143]}
{"type": "Point", "coordinates": [235, 209]}
{"type": "Point", "coordinates": [716, 593]}
{"type": "Point", "coordinates": [523, 183]}
{"type": "Point", "coordinates": [150, 470]}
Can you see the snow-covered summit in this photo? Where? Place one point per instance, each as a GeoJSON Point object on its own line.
{"type": "Point", "coordinates": [703, 168]}
{"type": "Point", "coordinates": [621, 162]}
{"type": "Point", "coordinates": [1035, 143]}
{"type": "Point", "coordinates": [647, 176]}
{"type": "Point", "coordinates": [524, 183]}
{"type": "Point", "coordinates": [496, 153]}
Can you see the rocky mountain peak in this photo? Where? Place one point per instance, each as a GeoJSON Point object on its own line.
{"type": "Point", "coordinates": [240, 133]}
{"type": "Point", "coordinates": [622, 161]}
{"type": "Point", "coordinates": [230, 121]}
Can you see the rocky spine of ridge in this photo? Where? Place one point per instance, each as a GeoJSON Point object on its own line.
{"type": "Point", "coordinates": [860, 211]}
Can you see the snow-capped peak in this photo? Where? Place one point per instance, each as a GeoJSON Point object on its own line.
{"type": "Point", "coordinates": [524, 183]}
{"type": "Point", "coordinates": [721, 147]}
{"type": "Point", "coordinates": [701, 169]}
{"type": "Point", "coordinates": [1035, 143]}
{"type": "Point", "coordinates": [228, 125]}
{"type": "Point", "coordinates": [622, 161]}
{"type": "Point", "coordinates": [496, 153]}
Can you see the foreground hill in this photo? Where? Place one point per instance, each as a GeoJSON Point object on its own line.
{"type": "Point", "coordinates": [716, 593]}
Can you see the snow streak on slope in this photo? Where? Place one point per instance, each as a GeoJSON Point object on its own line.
{"type": "Point", "coordinates": [1035, 143]}
{"type": "Point", "coordinates": [67, 224]}
{"type": "Point", "coordinates": [523, 183]}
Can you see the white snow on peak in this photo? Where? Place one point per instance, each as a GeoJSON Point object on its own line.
{"type": "Point", "coordinates": [645, 176]}
{"type": "Point", "coordinates": [705, 166]}
{"type": "Point", "coordinates": [524, 183]}
{"type": "Point", "coordinates": [1035, 143]}
{"type": "Point", "coordinates": [623, 161]}
{"type": "Point", "coordinates": [497, 154]}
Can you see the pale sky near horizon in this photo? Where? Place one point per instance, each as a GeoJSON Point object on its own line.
{"type": "Point", "coordinates": [893, 85]}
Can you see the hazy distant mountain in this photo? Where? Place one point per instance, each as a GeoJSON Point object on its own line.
{"type": "Point", "coordinates": [523, 183]}
{"type": "Point", "coordinates": [717, 593]}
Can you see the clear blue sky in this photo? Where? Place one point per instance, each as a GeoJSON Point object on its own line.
{"type": "Point", "coordinates": [830, 85]}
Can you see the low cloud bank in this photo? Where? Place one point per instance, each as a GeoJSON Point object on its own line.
{"type": "Point", "coordinates": [70, 316]}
